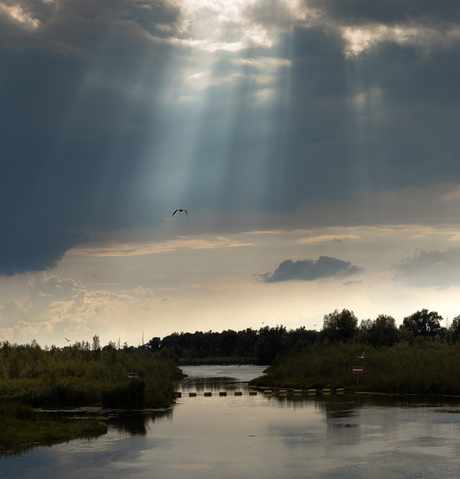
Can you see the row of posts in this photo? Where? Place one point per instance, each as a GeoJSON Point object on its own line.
{"type": "Point", "coordinates": [268, 392]}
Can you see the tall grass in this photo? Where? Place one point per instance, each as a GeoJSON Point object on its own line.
{"type": "Point", "coordinates": [78, 376]}
{"type": "Point", "coordinates": [425, 367]}
{"type": "Point", "coordinates": [23, 428]}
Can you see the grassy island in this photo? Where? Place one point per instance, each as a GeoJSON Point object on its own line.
{"type": "Point", "coordinates": [424, 367]}
{"type": "Point", "coordinates": [75, 376]}
{"type": "Point", "coordinates": [419, 357]}
{"type": "Point", "coordinates": [24, 428]}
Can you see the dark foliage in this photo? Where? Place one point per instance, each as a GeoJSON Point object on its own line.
{"type": "Point", "coordinates": [125, 396]}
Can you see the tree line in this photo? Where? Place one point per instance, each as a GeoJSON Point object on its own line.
{"type": "Point", "coordinates": [263, 346]}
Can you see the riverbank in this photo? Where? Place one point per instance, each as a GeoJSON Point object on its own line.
{"type": "Point", "coordinates": [23, 428]}
{"type": "Point", "coordinates": [425, 367]}
{"type": "Point", "coordinates": [77, 376]}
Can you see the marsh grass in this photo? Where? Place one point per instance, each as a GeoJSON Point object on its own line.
{"type": "Point", "coordinates": [78, 376]}
{"type": "Point", "coordinates": [425, 367]}
{"type": "Point", "coordinates": [125, 396]}
{"type": "Point", "coordinates": [23, 428]}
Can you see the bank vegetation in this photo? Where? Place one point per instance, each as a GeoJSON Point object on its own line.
{"type": "Point", "coordinates": [79, 375]}
{"type": "Point", "coordinates": [419, 357]}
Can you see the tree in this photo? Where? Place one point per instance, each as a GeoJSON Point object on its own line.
{"type": "Point", "coordinates": [155, 344]}
{"type": "Point", "coordinates": [339, 326]}
{"type": "Point", "coordinates": [96, 347]}
{"type": "Point", "coordinates": [383, 331]}
{"type": "Point", "coordinates": [454, 329]}
{"type": "Point", "coordinates": [423, 323]}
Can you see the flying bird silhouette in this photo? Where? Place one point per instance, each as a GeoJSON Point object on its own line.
{"type": "Point", "coordinates": [361, 357]}
{"type": "Point", "coordinates": [68, 340]}
{"type": "Point", "coordinates": [180, 211]}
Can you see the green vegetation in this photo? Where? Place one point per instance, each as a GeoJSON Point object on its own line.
{"type": "Point", "coordinates": [80, 375]}
{"type": "Point", "coordinates": [263, 346]}
{"type": "Point", "coordinates": [231, 347]}
{"type": "Point", "coordinates": [419, 357]}
{"type": "Point", "coordinates": [23, 428]}
{"type": "Point", "coordinates": [425, 367]}
{"type": "Point", "coordinates": [77, 375]}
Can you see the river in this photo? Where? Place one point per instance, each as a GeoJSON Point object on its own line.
{"type": "Point", "coordinates": [233, 436]}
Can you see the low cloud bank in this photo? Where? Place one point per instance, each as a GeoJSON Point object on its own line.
{"type": "Point", "coordinates": [310, 270]}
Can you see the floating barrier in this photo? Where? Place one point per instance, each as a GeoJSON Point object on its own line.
{"type": "Point", "coordinates": [267, 392]}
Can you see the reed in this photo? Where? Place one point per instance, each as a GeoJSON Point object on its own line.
{"type": "Point", "coordinates": [125, 396]}
{"type": "Point", "coordinates": [23, 428]}
{"type": "Point", "coordinates": [79, 376]}
{"type": "Point", "coordinates": [425, 367]}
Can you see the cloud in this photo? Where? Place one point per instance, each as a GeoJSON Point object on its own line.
{"type": "Point", "coordinates": [326, 239]}
{"type": "Point", "coordinates": [266, 64]}
{"type": "Point", "coordinates": [34, 250]}
{"type": "Point", "coordinates": [120, 250]}
{"type": "Point", "coordinates": [121, 109]}
{"type": "Point", "coordinates": [310, 270]}
{"type": "Point", "coordinates": [430, 268]}
{"type": "Point", "coordinates": [387, 11]}
{"type": "Point", "coordinates": [64, 307]}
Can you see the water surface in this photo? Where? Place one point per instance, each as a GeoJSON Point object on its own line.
{"type": "Point", "coordinates": [346, 436]}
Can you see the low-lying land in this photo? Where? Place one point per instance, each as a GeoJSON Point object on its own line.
{"type": "Point", "coordinates": [75, 376]}
{"type": "Point", "coordinates": [23, 428]}
{"type": "Point", "coordinates": [425, 367]}
{"type": "Point", "coordinates": [80, 376]}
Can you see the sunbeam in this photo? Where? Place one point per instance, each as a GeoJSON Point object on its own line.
{"type": "Point", "coordinates": [313, 145]}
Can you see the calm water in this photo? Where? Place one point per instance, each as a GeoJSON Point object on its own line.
{"type": "Point", "coordinates": [334, 436]}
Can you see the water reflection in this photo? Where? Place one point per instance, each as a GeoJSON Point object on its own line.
{"type": "Point", "coordinates": [346, 436]}
{"type": "Point", "coordinates": [215, 385]}
{"type": "Point", "coordinates": [137, 424]}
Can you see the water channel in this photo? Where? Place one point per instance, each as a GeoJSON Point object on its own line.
{"type": "Point", "coordinates": [232, 436]}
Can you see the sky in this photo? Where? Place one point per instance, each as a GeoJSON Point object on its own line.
{"type": "Point", "coordinates": [314, 145]}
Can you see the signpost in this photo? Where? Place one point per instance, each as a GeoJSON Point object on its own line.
{"type": "Point", "coordinates": [132, 375]}
{"type": "Point", "coordinates": [357, 370]}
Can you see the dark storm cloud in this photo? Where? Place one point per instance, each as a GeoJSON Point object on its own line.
{"type": "Point", "coordinates": [72, 127]}
{"type": "Point", "coordinates": [31, 250]}
{"type": "Point", "coordinates": [310, 270]}
{"type": "Point", "coordinates": [91, 113]}
{"type": "Point", "coordinates": [440, 269]}
{"type": "Point", "coordinates": [388, 11]}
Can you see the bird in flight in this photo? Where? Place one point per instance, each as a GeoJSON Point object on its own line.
{"type": "Point", "coordinates": [68, 340]}
{"type": "Point", "coordinates": [180, 211]}
{"type": "Point", "coordinates": [361, 357]}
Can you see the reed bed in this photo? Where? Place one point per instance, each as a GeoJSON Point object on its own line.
{"type": "Point", "coordinates": [425, 367]}
{"type": "Point", "coordinates": [24, 428]}
{"type": "Point", "coordinates": [79, 376]}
